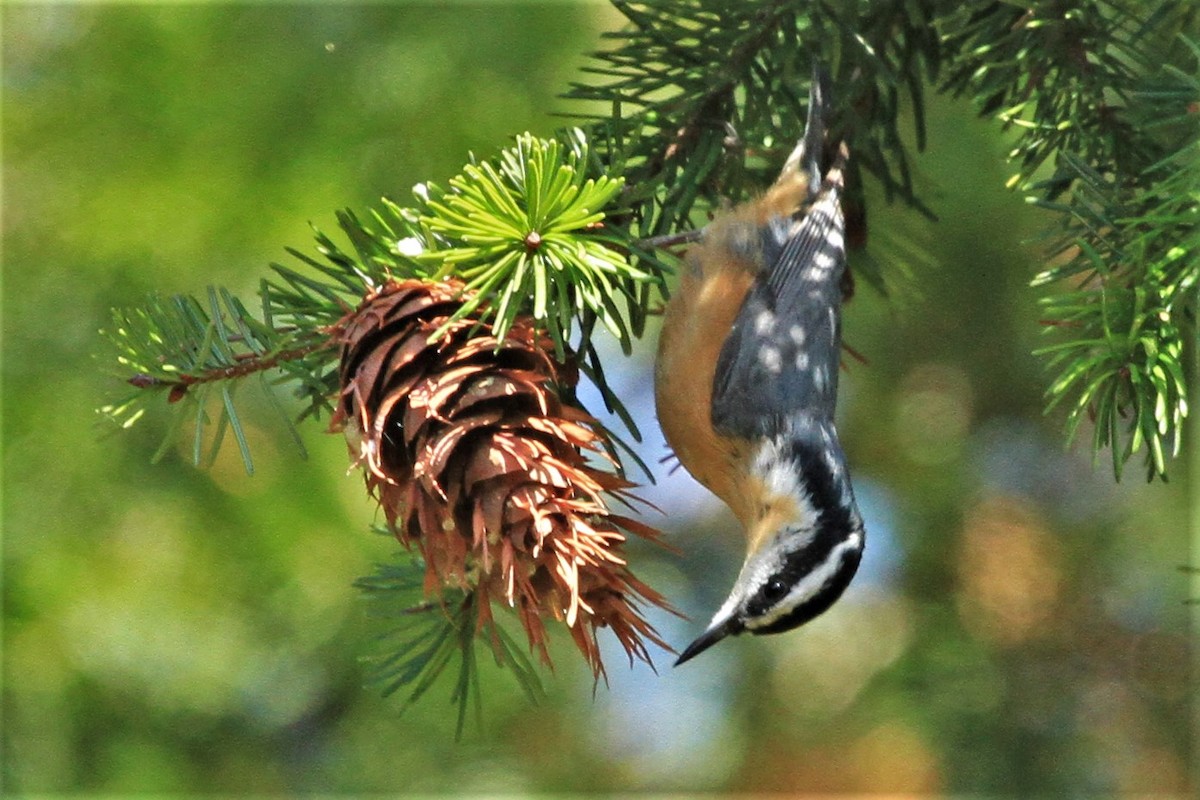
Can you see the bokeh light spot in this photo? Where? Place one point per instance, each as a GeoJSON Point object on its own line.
{"type": "Point", "coordinates": [1010, 570]}
{"type": "Point", "coordinates": [933, 412]}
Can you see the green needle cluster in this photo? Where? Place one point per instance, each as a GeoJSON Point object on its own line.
{"type": "Point", "coordinates": [528, 234]}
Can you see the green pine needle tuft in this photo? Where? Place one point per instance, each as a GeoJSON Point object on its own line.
{"type": "Point", "coordinates": [429, 637]}
{"type": "Point", "coordinates": [1128, 259]}
{"type": "Point", "coordinates": [528, 234]}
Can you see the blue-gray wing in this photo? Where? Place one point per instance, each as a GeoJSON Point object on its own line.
{"type": "Point", "coordinates": [782, 354]}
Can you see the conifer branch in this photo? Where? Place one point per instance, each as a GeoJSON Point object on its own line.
{"type": "Point", "coordinates": [1097, 92]}
{"type": "Point", "coordinates": [566, 236]}
{"type": "Point", "coordinates": [248, 364]}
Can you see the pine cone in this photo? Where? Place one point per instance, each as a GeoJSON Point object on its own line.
{"type": "Point", "coordinates": [476, 459]}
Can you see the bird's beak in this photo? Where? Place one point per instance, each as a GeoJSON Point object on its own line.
{"type": "Point", "coordinates": [717, 631]}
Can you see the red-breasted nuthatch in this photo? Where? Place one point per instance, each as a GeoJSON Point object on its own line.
{"type": "Point", "coordinates": [746, 384]}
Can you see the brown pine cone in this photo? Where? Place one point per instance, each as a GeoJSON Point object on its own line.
{"type": "Point", "coordinates": [476, 459]}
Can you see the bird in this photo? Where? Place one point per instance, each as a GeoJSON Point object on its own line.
{"type": "Point", "coordinates": [746, 381]}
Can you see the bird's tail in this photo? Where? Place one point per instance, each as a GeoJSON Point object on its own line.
{"type": "Point", "coordinates": [806, 158]}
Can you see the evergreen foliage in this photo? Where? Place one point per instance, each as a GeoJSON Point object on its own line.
{"type": "Point", "coordinates": [481, 230]}
{"type": "Point", "coordinates": [705, 96]}
{"type": "Point", "coordinates": [1101, 95]}
{"type": "Point", "coordinates": [425, 638]}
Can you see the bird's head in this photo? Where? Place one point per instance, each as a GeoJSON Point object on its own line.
{"type": "Point", "coordinates": [806, 537]}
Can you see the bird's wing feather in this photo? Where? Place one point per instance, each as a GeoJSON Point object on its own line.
{"type": "Point", "coordinates": [781, 356]}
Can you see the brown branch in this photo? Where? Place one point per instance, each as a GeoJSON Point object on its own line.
{"type": "Point", "coordinates": [668, 240]}
{"type": "Point", "coordinates": [250, 363]}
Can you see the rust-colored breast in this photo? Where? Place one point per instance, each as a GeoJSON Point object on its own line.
{"type": "Point", "coordinates": [695, 326]}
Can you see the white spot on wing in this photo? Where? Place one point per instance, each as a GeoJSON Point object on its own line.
{"type": "Point", "coordinates": [764, 323]}
{"type": "Point", "coordinates": [820, 378]}
{"type": "Point", "coordinates": [771, 359]}
{"type": "Point", "coordinates": [835, 238]}
{"type": "Point", "coordinates": [824, 261]}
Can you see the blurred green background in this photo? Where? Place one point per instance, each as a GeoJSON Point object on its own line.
{"type": "Point", "coordinates": [1020, 624]}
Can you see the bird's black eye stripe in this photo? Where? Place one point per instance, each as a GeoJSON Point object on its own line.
{"type": "Point", "coordinates": [821, 601]}
{"type": "Point", "coordinates": [795, 567]}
